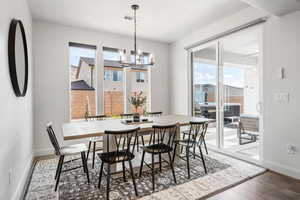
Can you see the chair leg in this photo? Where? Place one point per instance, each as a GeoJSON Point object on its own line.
{"type": "Point", "coordinates": [205, 146]}
{"type": "Point", "coordinates": [124, 171]}
{"type": "Point", "coordinates": [202, 158]}
{"type": "Point", "coordinates": [100, 175]}
{"type": "Point", "coordinates": [59, 171]}
{"type": "Point", "coordinates": [172, 167]}
{"type": "Point", "coordinates": [143, 143]}
{"type": "Point", "coordinates": [86, 166]}
{"type": "Point", "coordinates": [174, 154]}
{"type": "Point", "coordinates": [142, 163]}
{"type": "Point", "coordinates": [152, 165]}
{"type": "Point", "coordinates": [94, 152]}
{"type": "Point", "coordinates": [159, 155]}
{"type": "Point", "coordinates": [108, 181]}
{"type": "Point", "coordinates": [57, 168]}
{"type": "Point", "coordinates": [188, 161]}
{"type": "Point", "coordinates": [133, 178]}
{"type": "Point", "coordinates": [83, 162]}
{"type": "Point", "coordinates": [194, 151]}
{"type": "Point", "coordinates": [138, 144]}
{"type": "Point", "coordinates": [89, 149]}
{"type": "Point", "coordinates": [134, 143]}
{"type": "Point", "coordinates": [182, 146]}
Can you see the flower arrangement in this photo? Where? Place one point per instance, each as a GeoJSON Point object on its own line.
{"type": "Point", "coordinates": [137, 100]}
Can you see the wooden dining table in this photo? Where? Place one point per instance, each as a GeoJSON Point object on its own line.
{"type": "Point", "coordinates": [86, 129]}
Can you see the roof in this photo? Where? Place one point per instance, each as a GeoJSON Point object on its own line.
{"type": "Point", "coordinates": [112, 63]}
{"type": "Point", "coordinates": [80, 85]}
{"type": "Point", "coordinates": [89, 61]}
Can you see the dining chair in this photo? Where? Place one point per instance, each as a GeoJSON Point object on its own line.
{"type": "Point", "coordinates": [163, 137]}
{"type": "Point", "coordinates": [64, 151]}
{"type": "Point", "coordinates": [154, 114]}
{"type": "Point", "coordinates": [94, 140]}
{"type": "Point", "coordinates": [136, 138]}
{"type": "Point", "coordinates": [201, 137]}
{"type": "Point", "coordinates": [196, 129]}
{"type": "Point", "coordinates": [122, 154]}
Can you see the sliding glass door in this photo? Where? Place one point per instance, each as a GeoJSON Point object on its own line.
{"type": "Point", "coordinates": [226, 87]}
{"type": "Point", "coordinates": [205, 87]}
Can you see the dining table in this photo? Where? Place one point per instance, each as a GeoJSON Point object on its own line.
{"type": "Point", "coordinates": [86, 129]}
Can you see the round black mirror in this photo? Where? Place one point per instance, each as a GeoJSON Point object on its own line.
{"type": "Point", "coordinates": [18, 57]}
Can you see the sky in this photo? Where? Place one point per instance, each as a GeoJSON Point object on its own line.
{"type": "Point", "coordinates": [206, 74]}
{"type": "Point", "coordinates": [76, 53]}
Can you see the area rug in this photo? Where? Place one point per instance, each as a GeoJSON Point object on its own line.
{"type": "Point", "coordinates": [223, 172]}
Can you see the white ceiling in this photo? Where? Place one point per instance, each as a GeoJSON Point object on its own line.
{"type": "Point", "coordinates": [276, 7]}
{"type": "Point", "coordinates": [161, 20]}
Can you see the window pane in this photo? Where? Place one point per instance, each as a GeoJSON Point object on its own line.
{"type": "Point", "coordinates": [107, 74]}
{"type": "Point", "coordinates": [139, 85]}
{"type": "Point", "coordinates": [82, 81]}
{"type": "Point", "coordinates": [109, 55]}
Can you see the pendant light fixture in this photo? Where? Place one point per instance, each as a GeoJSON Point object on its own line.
{"type": "Point", "coordinates": [135, 58]}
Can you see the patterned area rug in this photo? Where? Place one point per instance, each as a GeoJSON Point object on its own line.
{"type": "Point", "coordinates": [223, 172]}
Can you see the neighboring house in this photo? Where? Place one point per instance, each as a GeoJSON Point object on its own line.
{"type": "Point", "coordinates": [82, 88]}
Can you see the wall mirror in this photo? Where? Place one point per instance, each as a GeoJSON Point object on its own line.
{"type": "Point", "coordinates": [18, 57]}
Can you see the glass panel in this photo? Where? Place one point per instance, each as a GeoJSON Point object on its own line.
{"type": "Point", "coordinates": [82, 81]}
{"type": "Point", "coordinates": [240, 91]}
{"type": "Point", "coordinates": [139, 87]}
{"type": "Point", "coordinates": [113, 91]}
{"type": "Point", "coordinates": [113, 85]}
{"type": "Point", "coordinates": [204, 70]}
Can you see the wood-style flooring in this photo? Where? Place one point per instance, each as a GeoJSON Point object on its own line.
{"type": "Point", "coordinates": [268, 186]}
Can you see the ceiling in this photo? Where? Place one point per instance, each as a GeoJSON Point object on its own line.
{"type": "Point", "coordinates": [160, 20]}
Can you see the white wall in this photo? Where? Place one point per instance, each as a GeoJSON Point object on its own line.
{"type": "Point", "coordinates": [51, 75]}
{"type": "Point", "coordinates": [281, 49]}
{"type": "Point", "coordinates": [16, 113]}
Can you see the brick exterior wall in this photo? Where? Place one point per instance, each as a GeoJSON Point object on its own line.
{"type": "Point", "coordinates": [79, 101]}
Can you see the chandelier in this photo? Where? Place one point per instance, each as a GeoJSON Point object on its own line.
{"type": "Point", "coordinates": [135, 58]}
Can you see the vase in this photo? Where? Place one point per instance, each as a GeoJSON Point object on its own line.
{"type": "Point", "coordinates": [136, 117]}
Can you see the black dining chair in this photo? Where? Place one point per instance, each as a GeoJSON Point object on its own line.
{"type": "Point", "coordinates": [196, 129]}
{"type": "Point", "coordinates": [122, 154]}
{"type": "Point", "coordinates": [201, 137]}
{"type": "Point", "coordinates": [95, 140]}
{"type": "Point", "coordinates": [64, 151]}
{"type": "Point", "coordinates": [163, 137]}
{"type": "Point", "coordinates": [136, 142]}
{"type": "Point", "coordinates": [154, 114]}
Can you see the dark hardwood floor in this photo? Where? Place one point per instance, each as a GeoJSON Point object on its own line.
{"type": "Point", "coordinates": [268, 186]}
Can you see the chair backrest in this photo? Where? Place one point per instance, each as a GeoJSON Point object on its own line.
{"type": "Point", "coordinates": [122, 140]}
{"type": "Point", "coordinates": [95, 117]}
{"type": "Point", "coordinates": [154, 114]}
{"type": "Point", "coordinates": [53, 138]}
{"type": "Point", "coordinates": [197, 129]}
{"type": "Point", "coordinates": [163, 134]}
{"type": "Point", "coordinates": [249, 123]}
{"type": "Point", "coordinates": [126, 115]}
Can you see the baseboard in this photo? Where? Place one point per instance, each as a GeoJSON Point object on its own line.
{"type": "Point", "coordinates": [43, 152]}
{"type": "Point", "coordinates": [282, 169]}
{"type": "Point", "coordinates": [22, 183]}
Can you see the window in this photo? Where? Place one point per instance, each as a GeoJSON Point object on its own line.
{"type": "Point", "coordinates": [113, 82]}
{"type": "Point", "coordinates": [115, 95]}
{"type": "Point", "coordinates": [82, 92]}
{"type": "Point", "coordinates": [140, 77]}
{"type": "Point", "coordinates": [111, 54]}
{"type": "Point", "coordinates": [107, 75]}
{"type": "Point", "coordinates": [117, 75]}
